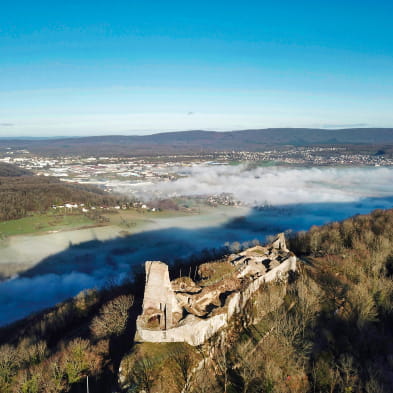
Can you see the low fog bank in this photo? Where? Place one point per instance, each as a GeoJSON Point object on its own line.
{"type": "Point", "coordinates": [28, 250]}
{"type": "Point", "coordinates": [308, 197]}
{"type": "Point", "coordinates": [274, 185]}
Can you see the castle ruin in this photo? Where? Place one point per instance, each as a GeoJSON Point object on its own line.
{"type": "Point", "coordinates": [188, 311]}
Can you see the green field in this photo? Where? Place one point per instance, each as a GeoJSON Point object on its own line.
{"type": "Point", "coordinates": [39, 223]}
{"type": "Point", "coordinates": [42, 223]}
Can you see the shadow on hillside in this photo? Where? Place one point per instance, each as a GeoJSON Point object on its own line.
{"type": "Point", "coordinates": [369, 346]}
{"type": "Point", "coordinates": [95, 263]}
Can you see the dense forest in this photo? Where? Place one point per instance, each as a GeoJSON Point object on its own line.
{"type": "Point", "coordinates": [21, 194]}
{"type": "Point", "coordinates": [329, 330]}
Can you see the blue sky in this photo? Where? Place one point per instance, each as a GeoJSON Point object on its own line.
{"type": "Point", "coordinates": [135, 67]}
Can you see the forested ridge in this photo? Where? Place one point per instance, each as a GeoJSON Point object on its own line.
{"type": "Point", "coordinates": [351, 331]}
{"type": "Point", "coordinates": [22, 195]}
{"type": "Point", "coordinates": [197, 141]}
{"type": "Point", "coordinates": [12, 170]}
{"type": "Point", "coordinates": [331, 332]}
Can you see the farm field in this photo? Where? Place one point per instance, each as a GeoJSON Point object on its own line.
{"type": "Point", "coordinates": [39, 223]}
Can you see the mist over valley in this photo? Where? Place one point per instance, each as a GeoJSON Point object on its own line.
{"type": "Point", "coordinates": [272, 200]}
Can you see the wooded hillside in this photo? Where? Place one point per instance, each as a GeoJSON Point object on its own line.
{"type": "Point", "coordinates": [25, 194]}
{"type": "Point", "coordinates": [329, 330]}
{"type": "Point", "coordinates": [201, 141]}
{"type": "Point", "coordinates": [13, 170]}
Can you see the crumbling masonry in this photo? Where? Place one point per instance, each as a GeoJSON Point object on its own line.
{"type": "Point", "coordinates": [185, 311]}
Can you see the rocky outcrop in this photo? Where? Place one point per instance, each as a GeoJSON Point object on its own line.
{"type": "Point", "coordinates": [192, 312]}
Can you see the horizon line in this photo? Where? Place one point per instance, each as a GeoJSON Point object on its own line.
{"type": "Point", "coordinates": [29, 137]}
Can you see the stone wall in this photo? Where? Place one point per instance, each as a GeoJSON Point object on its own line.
{"type": "Point", "coordinates": [194, 331]}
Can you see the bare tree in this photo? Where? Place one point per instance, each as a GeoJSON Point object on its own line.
{"type": "Point", "coordinates": [184, 362]}
{"type": "Point", "coordinates": [8, 364]}
{"type": "Point", "coordinates": [248, 368]}
{"type": "Point", "coordinates": [348, 370]}
{"type": "Point", "coordinates": [142, 374]}
{"type": "Point", "coordinates": [221, 359]}
{"type": "Point", "coordinates": [113, 317]}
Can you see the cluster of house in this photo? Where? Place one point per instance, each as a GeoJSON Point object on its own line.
{"type": "Point", "coordinates": [85, 209]}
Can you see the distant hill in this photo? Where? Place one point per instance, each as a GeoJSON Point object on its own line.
{"type": "Point", "coordinates": [203, 141]}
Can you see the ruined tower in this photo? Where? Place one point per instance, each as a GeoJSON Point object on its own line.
{"type": "Point", "coordinates": [160, 305]}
